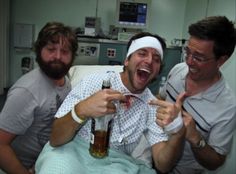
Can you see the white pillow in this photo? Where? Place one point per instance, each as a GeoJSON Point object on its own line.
{"type": "Point", "coordinates": [77, 72]}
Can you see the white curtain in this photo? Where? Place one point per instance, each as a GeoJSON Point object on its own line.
{"type": "Point", "coordinates": [4, 44]}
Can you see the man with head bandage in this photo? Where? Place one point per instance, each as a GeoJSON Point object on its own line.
{"type": "Point", "coordinates": [135, 139]}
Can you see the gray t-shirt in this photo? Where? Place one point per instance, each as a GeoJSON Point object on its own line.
{"type": "Point", "coordinates": [29, 112]}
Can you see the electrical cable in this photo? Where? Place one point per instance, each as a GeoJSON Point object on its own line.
{"type": "Point", "coordinates": [207, 8]}
{"type": "Point", "coordinates": [96, 13]}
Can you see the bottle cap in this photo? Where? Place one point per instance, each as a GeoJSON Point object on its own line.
{"type": "Point", "coordinates": [106, 84]}
{"type": "Point", "coordinates": [163, 78]}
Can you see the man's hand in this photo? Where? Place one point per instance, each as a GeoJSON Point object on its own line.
{"type": "Point", "coordinates": [192, 134]}
{"type": "Point", "coordinates": [167, 112]}
{"type": "Point", "coordinates": [100, 103]}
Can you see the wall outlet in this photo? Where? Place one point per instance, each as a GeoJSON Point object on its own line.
{"type": "Point", "coordinates": [111, 52]}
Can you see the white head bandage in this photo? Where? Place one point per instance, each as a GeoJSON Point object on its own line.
{"type": "Point", "coordinates": [147, 41]}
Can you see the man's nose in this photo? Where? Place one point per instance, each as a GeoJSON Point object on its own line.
{"type": "Point", "coordinates": [189, 59]}
{"type": "Point", "coordinates": [149, 58]}
{"type": "Point", "coordinates": [58, 54]}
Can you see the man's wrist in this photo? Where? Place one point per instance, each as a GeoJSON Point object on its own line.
{"type": "Point", "coordinates": [201, 143]}
{"type": "Point", "coordinates": [77, 118]}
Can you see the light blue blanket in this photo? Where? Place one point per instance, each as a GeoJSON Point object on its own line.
{"type": "Point", "coordinates": [74, 158]}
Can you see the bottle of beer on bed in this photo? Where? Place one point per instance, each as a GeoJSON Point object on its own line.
{"type": "Point", "coordinates": [100, 132]}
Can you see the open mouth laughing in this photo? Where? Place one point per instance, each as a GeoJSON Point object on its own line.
{"type": "Point", "coordinates": [143, 74]}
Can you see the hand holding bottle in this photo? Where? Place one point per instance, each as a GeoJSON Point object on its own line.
{"type": "Point", "coordinates": [101, 126]}
{"type": "Point", "coordinates": [100, 103]}
{"type": "Point", "coordinates": [100, 131]}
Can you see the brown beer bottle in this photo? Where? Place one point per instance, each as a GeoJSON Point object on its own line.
{"type": "Point", "coordinates": [100, 132]}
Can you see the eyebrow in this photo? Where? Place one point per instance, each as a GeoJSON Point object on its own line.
{"type": "Point", "coordinates": [145, 49]}
{"type": "Point", "coordinates": [194, 52]}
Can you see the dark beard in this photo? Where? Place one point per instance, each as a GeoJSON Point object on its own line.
{"type": "Point", "coordinates": [54, 69]}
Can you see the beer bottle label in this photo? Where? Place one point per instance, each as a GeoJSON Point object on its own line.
{"type": "Point", "coordinates": [92, 130]}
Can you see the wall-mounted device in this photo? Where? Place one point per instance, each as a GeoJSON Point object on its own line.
{"type": "Point", "coordinates": [88, 54]}
{"type": "Point", "coordinates": [112, 53]}
{"type": "Point", "coordinates": [27, 64]}
{"type": "Point", "coordinates": [92, 26]}
{"type": "Point", "coordinates": [23, 35]}
{"type": "Point", "coordinates": [125, 36]}
{"type": "Point", "coordinates": [132, 13]}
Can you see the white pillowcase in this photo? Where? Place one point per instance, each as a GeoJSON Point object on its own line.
{"type": "Point", "coordinates": [77, 72]}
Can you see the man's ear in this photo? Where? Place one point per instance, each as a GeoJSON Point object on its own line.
{"type": "Point", "coordinates": [126, 62]}
{"type": "Point", "coordinates": [222, 60]}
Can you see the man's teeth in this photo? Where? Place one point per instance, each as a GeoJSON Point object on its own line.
{"type": "Point", "coordinates": [193, 70]}
{"type": "Point", "coordinates": [146, 70]}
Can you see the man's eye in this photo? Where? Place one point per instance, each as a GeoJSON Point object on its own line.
{"type": "Point", "coordinates": [142, 54]}
{"type": "Point", "coordinates": [65, 51]}
{"type": "Point", "coordinates": [157, 59]}
{"type": "Point", "coordinates": [50, 49]}
{"type": "Point", "coordinates": [198, 58]}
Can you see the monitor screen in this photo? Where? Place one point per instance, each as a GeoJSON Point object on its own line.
{"type": "Point", "coordinates": [132, 13]}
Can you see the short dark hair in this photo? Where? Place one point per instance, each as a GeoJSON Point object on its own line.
{"type": "Point", "coordinates": [143, 34]}
{"type": "Point", "coordinates": [217, 29]}
{"type": "Point", "coordinates": [52, 32]}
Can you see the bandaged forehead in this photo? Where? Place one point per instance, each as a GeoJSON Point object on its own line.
{"type": "Point", "coordinates": [147, 41]}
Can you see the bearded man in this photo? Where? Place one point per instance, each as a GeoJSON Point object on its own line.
{"type": "Point", "coordinates": [28, 113]}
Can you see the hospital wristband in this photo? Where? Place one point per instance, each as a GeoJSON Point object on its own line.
{"type": "Point", "coordinates": [76, 117]}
